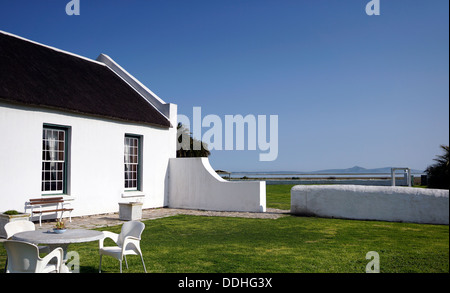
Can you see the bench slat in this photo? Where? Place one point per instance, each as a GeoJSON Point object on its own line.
{"type": "Point", "coordinates": [46, 201]}
{"type": "Point", "coordinates": [52, 211]}
{"type": "Point", "coordinates": [42, 198]}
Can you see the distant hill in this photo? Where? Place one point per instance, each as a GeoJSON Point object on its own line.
{"type": "Point", "coordinates": [352, 170]}
{"type": "Point", "coordinates": [358, 169]}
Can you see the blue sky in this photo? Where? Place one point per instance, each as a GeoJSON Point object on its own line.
{"type": "Point", "coordinates": [348, 88]}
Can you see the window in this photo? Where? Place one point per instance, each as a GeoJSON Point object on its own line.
{"type": "Point", "coordinates": [54, 160]}
{"type": "Point", "coordinates": [132, 162]}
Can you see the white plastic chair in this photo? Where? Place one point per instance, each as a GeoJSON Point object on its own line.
{"type": "Point", "coordinates": [12, 228]}
{"type": "Point", "coordinates": [23, 257]}
{"type": "Point", "coordinates": [128, 243]}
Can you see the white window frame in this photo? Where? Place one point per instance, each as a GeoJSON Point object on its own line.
{"type": "Point", "coordinates": [54, 160]}
{"type": "Point", "coordinates": [132, 162]}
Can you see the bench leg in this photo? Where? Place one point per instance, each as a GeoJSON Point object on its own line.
{"type": "Point", "coordinates": [31, 218]}
{"type": "Point", "coordinates": [70, 217]}
{"type": "Point", "coordinates": [62, 214]}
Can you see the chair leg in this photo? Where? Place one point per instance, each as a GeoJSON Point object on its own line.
{"type": "Point", "coordinates": [120, 266]}
{"type": "Point", "coordinates": [126, 263]}
{"type": "Point", "coordinates": [143, 264]}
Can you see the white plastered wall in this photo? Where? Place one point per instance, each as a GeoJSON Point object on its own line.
{"type": "Point", "coordinates": [96, 148]}
{"type": "Point", "coordinates": [195, 185]}
{"type": "Point", "coordinates": [398, 204]}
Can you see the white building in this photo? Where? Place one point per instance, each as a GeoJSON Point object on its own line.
{"type": "Point", "coordinates": [88, 131]}
{"type": "Point", "coordinates": [80, 128]}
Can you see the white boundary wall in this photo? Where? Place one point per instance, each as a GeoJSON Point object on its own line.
{"type": "Point", "coordinates": [194, 184]}
{"type": "Point", "coordinates": [397, 204]}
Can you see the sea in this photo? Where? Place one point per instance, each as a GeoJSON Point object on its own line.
{"type": "Point", "coordinates": [377, 179]}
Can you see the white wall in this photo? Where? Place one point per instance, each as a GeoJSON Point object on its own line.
{"type": "Point", "coordinates": [398, 204]}
{"type": "Point", "coordinates": [96, 159]}
{"type": "Point", "coordinates": [195, 185]}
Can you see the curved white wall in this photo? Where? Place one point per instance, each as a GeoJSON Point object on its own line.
{"type": "Point", "coordinates": [398, 204]}
{"type": "Point", "coordinates": [194, 184]}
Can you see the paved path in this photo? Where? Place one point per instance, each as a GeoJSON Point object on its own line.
{"type": "Point", "coordinates": [112, 219]}
{"type": "Point", "coordinates": [106, 220]}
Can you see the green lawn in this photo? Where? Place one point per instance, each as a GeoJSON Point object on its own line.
{"type": "Point", "coordinates": [279, 196]}
{"type": "Point", "coordinates": [196, 244]}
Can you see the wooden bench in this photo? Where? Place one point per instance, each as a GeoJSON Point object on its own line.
{"type": "Point", "coordinates": [48, 205]}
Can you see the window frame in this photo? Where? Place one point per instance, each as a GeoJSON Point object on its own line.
{"type": "Point", "coordinates": [65, 161]}
{"type": "Point", "coordinates": [136, 160]}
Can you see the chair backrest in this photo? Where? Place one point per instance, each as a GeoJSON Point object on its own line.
{"type": "Point", "coordinates": [12, 228]}
{"type": "Point", "coordinates": [131, 228]}
{"type": "Point", "coordinates": [22, 256]}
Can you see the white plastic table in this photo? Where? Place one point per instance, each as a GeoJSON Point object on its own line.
{"type": "Point", "coordinates": [54, 240]}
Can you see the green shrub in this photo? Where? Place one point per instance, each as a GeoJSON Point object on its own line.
{"type": "Point", "coordinates": [11, 212]}
{"type": "Point", "coordinates": [438, 176]}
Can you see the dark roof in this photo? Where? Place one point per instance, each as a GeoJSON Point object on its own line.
{"type": "Point", "coordinates": [36, 75]}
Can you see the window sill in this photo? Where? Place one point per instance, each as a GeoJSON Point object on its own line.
{"type": "Point", "coordinates": [135, 193]}
{"type": "Point", "coordinates": [66, 197]}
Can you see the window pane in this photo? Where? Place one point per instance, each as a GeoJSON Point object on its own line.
{"type": "Point", "coordinates": [53, 175]}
